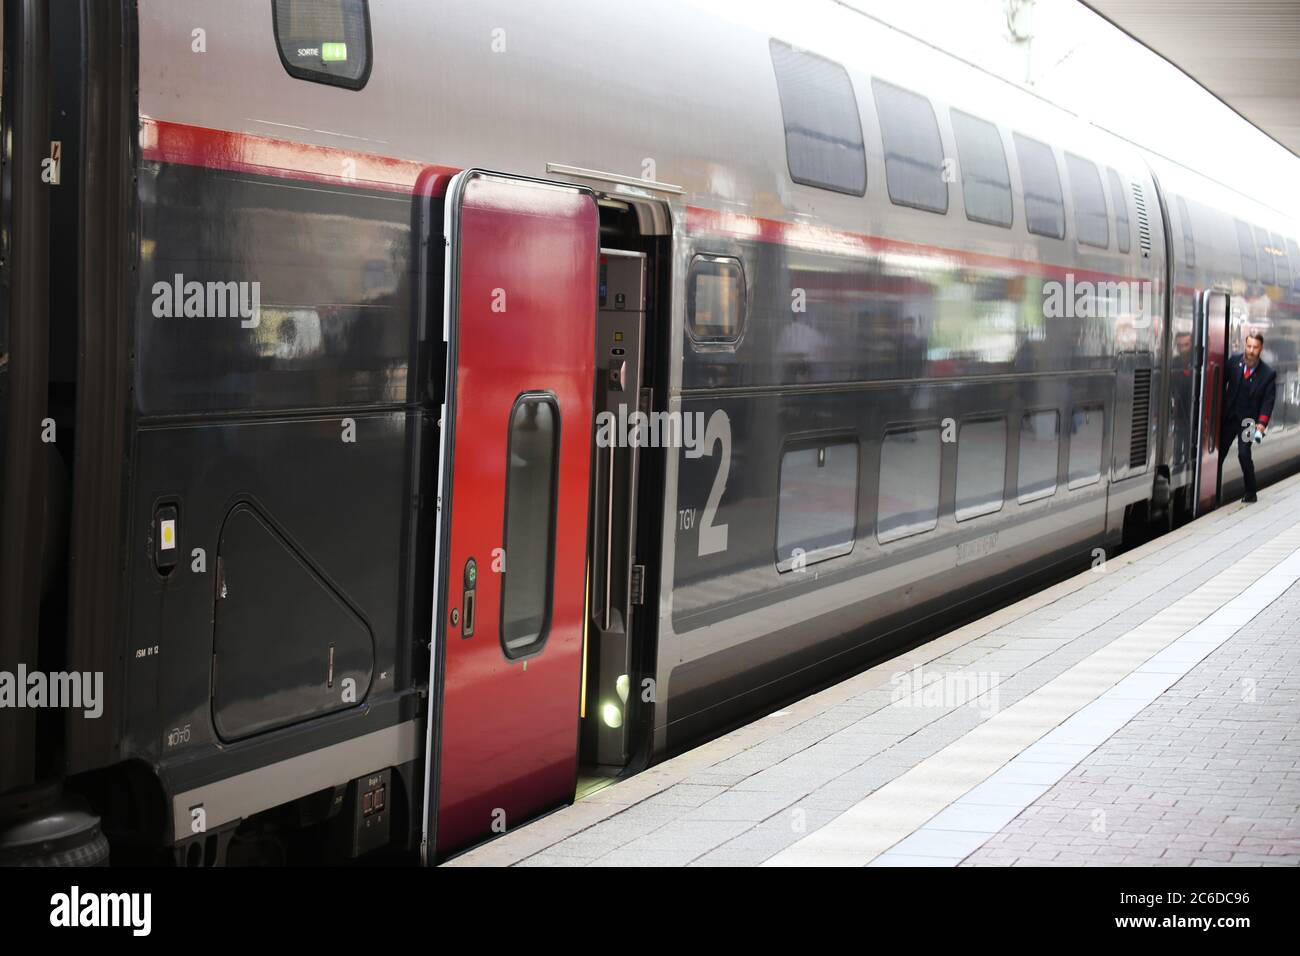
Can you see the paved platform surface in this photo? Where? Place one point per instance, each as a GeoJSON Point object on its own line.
{"type": "Point", "coordinates": [1147, 712]}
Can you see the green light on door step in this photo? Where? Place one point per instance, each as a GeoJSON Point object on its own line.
{"type": "Point", "coordinates": [333, 52]}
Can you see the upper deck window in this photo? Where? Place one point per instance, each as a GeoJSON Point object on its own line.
{"type": "Point", "coordinates": [1091, 223]}
{"type": "Point", "coordinates": [1246, 245]}
{"type": "Point", "coordinates": [985, 182]}
{"type": "Point", "coordinates": [823, 134]}
{"type": "Point", "coordinates": [913, 151]}
{"type": "Point", "coordinates": [1120, 201]}
{"type": "Point", "coordinates": [1189, 239]}
{"type": "Point", "coordinates": [326, 41]}
{"type": "Point", "coordinates": [1044, 207]}
{"type": "Point", "coordinates": [1267, 273]}
{"type": "Point", "coordinates": [1283, 261]}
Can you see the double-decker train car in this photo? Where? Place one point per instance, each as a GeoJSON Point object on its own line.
{"type": "Point", "coordinates": [417, 413]}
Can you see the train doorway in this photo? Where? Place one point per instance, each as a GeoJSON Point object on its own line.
{"type": "Point", "coordinates": [512, 527]}
{"type": "Point", "coordinates": [631, 366]}
{"type": "Point", "coordinates": [1213, 308]}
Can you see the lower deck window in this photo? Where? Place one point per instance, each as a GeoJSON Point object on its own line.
{"type": "Point", "coordinates": [981, 467]}
{"type": "Point", "coordinates": [1039, 439]}
{"type": "Point", "coordinates": [1085, 445]}
{"type": "Point", "coordinates": [818, 511]}
{"type": "Point", "coordinates": [909, 483]}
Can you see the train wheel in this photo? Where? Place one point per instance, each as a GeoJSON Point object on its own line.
{"type": "Point", "coordinates": [59, 837]}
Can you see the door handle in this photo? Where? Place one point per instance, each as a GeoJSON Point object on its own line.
{"type": "Point", "coordinates": [468, 600]}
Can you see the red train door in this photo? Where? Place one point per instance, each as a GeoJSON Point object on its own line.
{"type": "Point", "coordinates": [1213, 336]}
{"type": "Point", "coordinates": [511, 564]}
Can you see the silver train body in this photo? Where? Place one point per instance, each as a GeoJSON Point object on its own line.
{"type": "Point", "coordinates": [873, 333]}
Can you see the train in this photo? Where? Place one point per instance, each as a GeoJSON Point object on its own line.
{"type": "Point", "coordinates": [418, 415]}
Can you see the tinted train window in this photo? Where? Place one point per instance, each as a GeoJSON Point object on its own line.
{"type": "Point", "coordinates": [823, 133]}
{"type": "Point", "coordinates": [913, 152]}
{"type": "Point", "coordinates": [985, 182]}
{"type": "Point", "coordinates": [1090, 220]}
{"type": "Point", "coordinates": [532, 453]}
{"type": "Point", "coordinates": [1189, 239]}
{"type": "Point", "coordinates": [818, 513]}
{"type": "Point", "coordinates": [327, 41]}
{"type": "Point", "coordinates": [1085, 445]}
{"type": "Point", "coordinates": [1267, 273]}
{"type": "Point", "coordinates": [1120, 201]}
{"type": "Point", "coordinates": [1044, 208]}
{"type": "Point", "coordinates": [981, 467]}
{"type": "Point", "coordinates": [1246, 244]}
{"type": "Point", "coordinates": [909, 484]}
{"type": "Point", "coordinates": [715, 299]}
{"type": "Point", "coordinates": [1039, 437]}
{"type": "Point", "coordinates": [1293, 252]}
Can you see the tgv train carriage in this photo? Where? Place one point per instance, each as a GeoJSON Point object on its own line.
{"type": "Point", "coordinates": [419, 413]}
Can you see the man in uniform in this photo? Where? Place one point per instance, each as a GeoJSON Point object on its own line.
{"type": "Point", "coordinates": [1250, 388]}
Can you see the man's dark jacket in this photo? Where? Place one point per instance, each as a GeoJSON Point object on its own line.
{"type": "Point", "coordinates": [1250, 398]}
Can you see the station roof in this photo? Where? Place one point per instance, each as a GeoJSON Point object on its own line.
{"type": "Point", "coordinates": [1247, 53]}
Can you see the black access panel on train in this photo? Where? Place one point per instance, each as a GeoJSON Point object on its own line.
{"type": "Point", "coordinates": [617, 582]}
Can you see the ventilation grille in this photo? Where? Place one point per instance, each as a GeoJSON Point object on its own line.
{"type": "Point", "coordinates": [1137, 452]}
{"type": "Point", "coordinates": [1144, 224]}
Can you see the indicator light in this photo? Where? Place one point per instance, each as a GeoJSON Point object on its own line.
{"type": "Point", "coordinates": [612, 715]}
{"type": "Point", "coordinates": [333, 52]}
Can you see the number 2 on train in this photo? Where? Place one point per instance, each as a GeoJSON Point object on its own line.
{"type": "Point", "coordinates": [713, 538]}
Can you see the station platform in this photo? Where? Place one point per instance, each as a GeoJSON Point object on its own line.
{"type": "Point", "coordinates": [1145, 712]}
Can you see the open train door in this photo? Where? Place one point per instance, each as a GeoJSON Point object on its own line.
{"type": "Point", "coordinates": [514, 476]}
{"type": "Point", "coordinates": [1211, 354]}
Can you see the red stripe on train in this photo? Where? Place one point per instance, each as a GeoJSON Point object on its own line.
{"type": "Point", "coordinates": [167, 142]}
{"type": "Point", "coordinates": [700, 221]}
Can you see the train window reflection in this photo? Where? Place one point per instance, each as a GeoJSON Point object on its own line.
{"type": "Point", "coordinates": [908, 500]}
{"type": "Point", "coordinates": [1189, 240]}
{"type": "Point", "coordinates": [1039, 439]}
{"type": "Point", "coordinates": [326, 41]}
{"type": "Point", "coordinates": [1266, 270]}
{"type": "Point", "coordinates": [1282, 261]}
{"type": "Point", "coordinates": [1120, 201]}
{"type": "Point", "coordinates": [981, 467]}
{"type": "Point", "coordinates": [715, 299]}
{"type": "Point", "coordinates": [817, 516]}
{"type": "Point", "coordinates": [1041, 180]}
{"type": "Point", "coordinates": [1293, 252]}
{"type": "Point", "coordinates": [1091, 223]}
{"type": "Point", "coordinates": [1085, 445]}
{"type": "Point", "coordinates": [823, 133]}
{"type": "Point", "coordinates": [985, 181]}
{"type": "Point", "coordinates": [1246, 245]}
{"type": "Point", "coordinates": [532, 454]}
{"type": "Point", "coordinates": [913, 151]}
